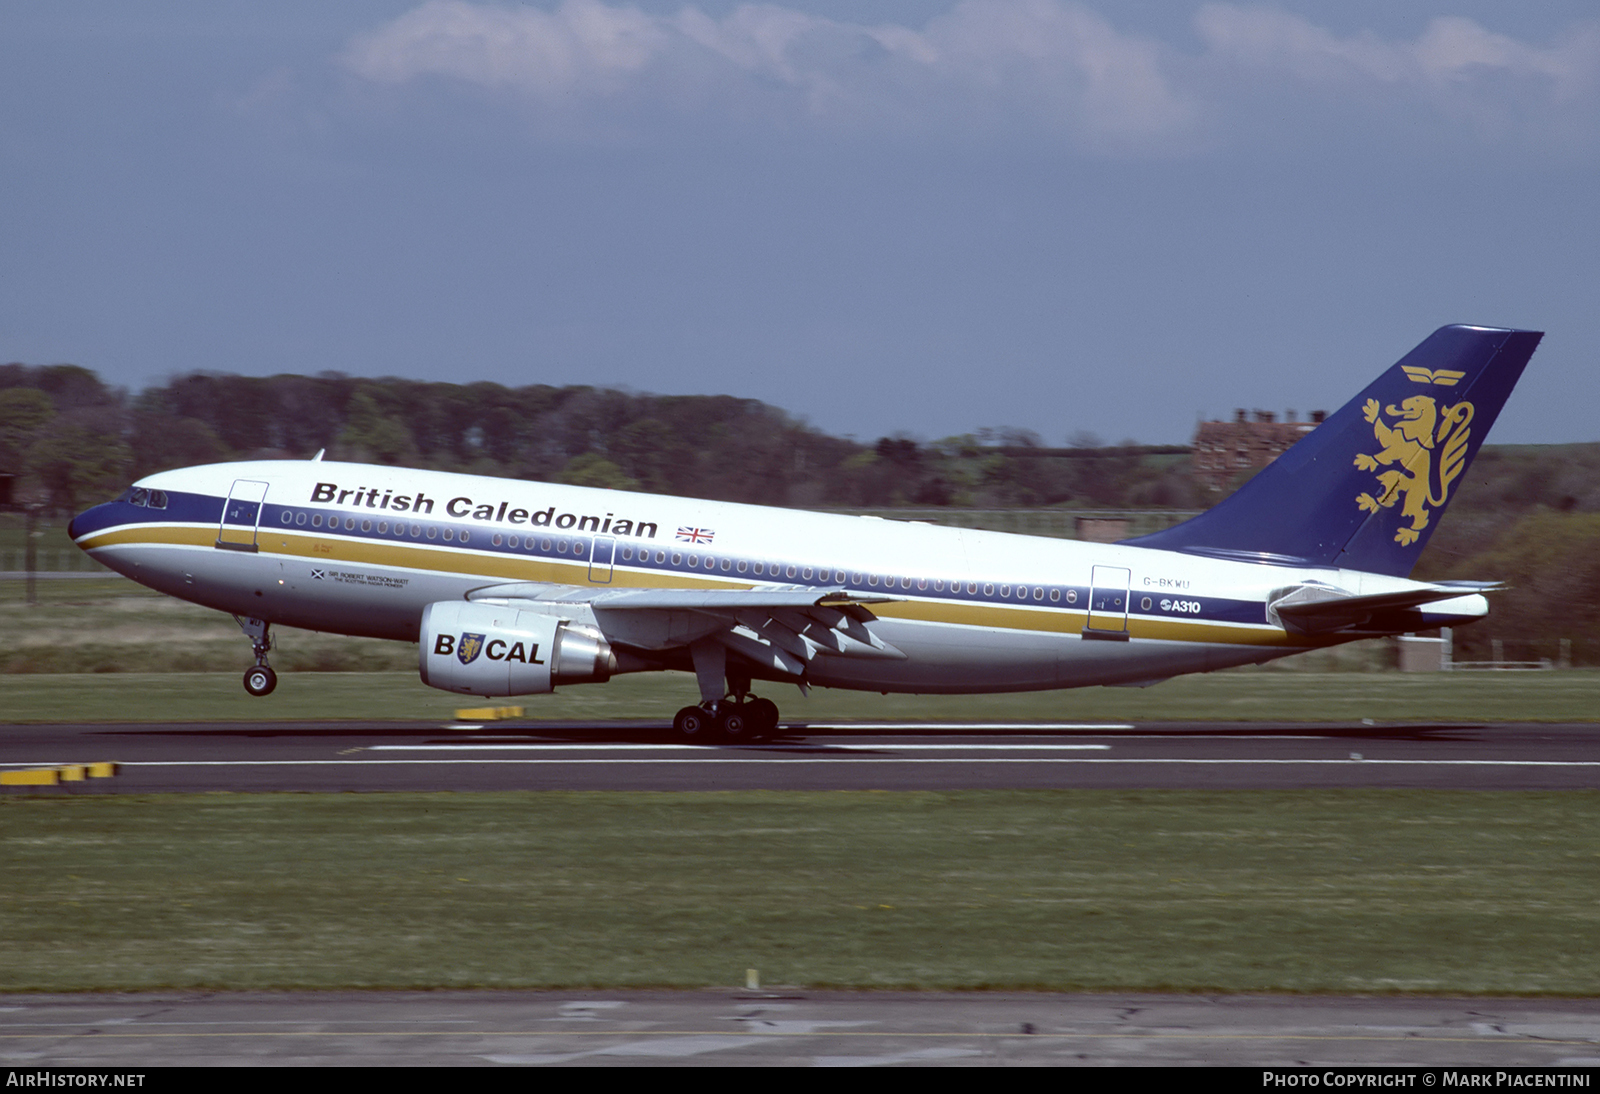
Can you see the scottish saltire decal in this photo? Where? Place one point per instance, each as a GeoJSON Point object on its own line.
{"type": "Point", "coordinates": [469, 647]}
{"type": "Point", "coordinates": [696, 535]}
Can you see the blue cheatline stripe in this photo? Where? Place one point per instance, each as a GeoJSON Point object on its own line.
{"type": "Point", "coordinates": [677, 560]}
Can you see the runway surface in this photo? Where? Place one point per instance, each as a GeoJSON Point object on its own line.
{"type": "Point", "coordinates": [343, 756]}
{"type": "Point", "coordinates": [796, 1028]}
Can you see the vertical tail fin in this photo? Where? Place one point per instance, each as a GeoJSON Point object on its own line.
{"type": "Point", "coordinates": [1365, 490]}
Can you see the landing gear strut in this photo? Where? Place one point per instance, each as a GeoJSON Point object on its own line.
{"type": "Point", "coordinates": [260, 679]}
{"type": "Point", "coordinates": [726, 713]}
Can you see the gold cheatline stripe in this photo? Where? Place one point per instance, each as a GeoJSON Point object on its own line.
{"type": "Point", "coordinates": [448, 560]}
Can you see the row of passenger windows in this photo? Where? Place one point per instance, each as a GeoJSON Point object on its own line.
{"type": "Point", "coordinates": [644, 555]}
{"type": "Point", "coordinates": [559, 544]}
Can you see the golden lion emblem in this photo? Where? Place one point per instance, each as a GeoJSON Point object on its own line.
{"type": "Point", "coordinates": [1419, 430]}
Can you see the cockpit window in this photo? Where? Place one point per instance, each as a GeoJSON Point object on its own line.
{"type": "Point", "coordinates": [142, 496]}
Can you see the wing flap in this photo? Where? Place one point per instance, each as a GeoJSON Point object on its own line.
{"type": "Point", "coordinates": [782, 627]}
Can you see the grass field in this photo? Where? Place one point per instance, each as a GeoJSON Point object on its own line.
{"type": "Point", "coordinates": [1316, 891]}
{"type": "Point", "coordinates": [1572, 696]}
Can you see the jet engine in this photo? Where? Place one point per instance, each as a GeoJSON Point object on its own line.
{"type": "Point", "coordinates": [494, 650]}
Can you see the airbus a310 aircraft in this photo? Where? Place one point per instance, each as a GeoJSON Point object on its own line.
{"type": "Point", "coordinates": [514, 588]}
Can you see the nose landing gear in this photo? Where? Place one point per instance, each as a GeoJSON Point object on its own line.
{"type": "Point", "coordinates": [260, 679]}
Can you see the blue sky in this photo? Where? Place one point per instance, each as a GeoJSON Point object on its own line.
{"type": "Point", "coordinates": [917, 217]}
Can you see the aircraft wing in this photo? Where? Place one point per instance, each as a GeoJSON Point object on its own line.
{"type": "Point", "coordinates": [780, 627]}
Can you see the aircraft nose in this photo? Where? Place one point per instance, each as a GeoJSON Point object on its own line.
{"type": "Point", "coordinates": [87, 520]}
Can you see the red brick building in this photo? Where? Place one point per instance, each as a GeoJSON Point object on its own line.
{"type": "Point", "coordinates": [1227, 452]}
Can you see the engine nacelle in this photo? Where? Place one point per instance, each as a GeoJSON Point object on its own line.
{"type": "Point", "coordinates": [494, 650]}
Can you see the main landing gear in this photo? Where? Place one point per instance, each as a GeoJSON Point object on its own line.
{"type": "Point", "coordinates": [259, 680]}
{"type": "Point", "coordinates": [726, 712]}
{"type": "Point", "coordinates": [728, 720]}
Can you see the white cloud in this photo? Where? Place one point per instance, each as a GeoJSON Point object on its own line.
{"type": "Point", "coordinates": [582, 45]}
{"type": "Point", "coordinates": [1050, 66]}
{"type": "Point", "coordinates": [1451, 53]}
{"type": "Point", "coordinates": [986, 61]}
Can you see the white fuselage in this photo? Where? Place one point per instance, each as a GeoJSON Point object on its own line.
{"type": "Point", "coordinates": [363, 550]}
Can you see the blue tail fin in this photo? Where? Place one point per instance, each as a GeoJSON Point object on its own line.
{"type": "Point", "coordinates": [1365, 489]}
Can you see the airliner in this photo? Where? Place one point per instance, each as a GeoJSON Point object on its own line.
{"type": "Point", "coordinates": [512, 587]}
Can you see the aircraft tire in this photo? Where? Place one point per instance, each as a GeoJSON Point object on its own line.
{"type": "Point", "coordinates": [260, 680]}
{"type": "Point", "coordinates": [733, 724]}
{"type": "Point", "coordinates": [763, 717]}
{"type": "Point", "coordinates": [694, 724]}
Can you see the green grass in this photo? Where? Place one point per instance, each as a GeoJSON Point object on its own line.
{"type": "Point", "coordinates": [1312, 891]}
{"type": "Point", "coordinates": [1572, 696]}
{"type": "Point", "coordinates": [112, 625]}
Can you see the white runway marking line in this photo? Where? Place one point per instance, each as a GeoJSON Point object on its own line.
{"type": "Point", "coordinates": [1022, 727]}
{"type": "Point", "coordinates": [711, 759]}
{"type": "Point", "coordinates": [829, 747]}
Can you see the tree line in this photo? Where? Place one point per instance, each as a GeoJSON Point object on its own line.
{"type": "Point", "coordinates": [70, 440]}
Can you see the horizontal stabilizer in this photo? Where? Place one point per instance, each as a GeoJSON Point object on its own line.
{"type": "Point", "coordinates": [1322, 609]}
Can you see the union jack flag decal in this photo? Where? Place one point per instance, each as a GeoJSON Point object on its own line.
{"type": "Point", "coordinates": [696, 535]}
